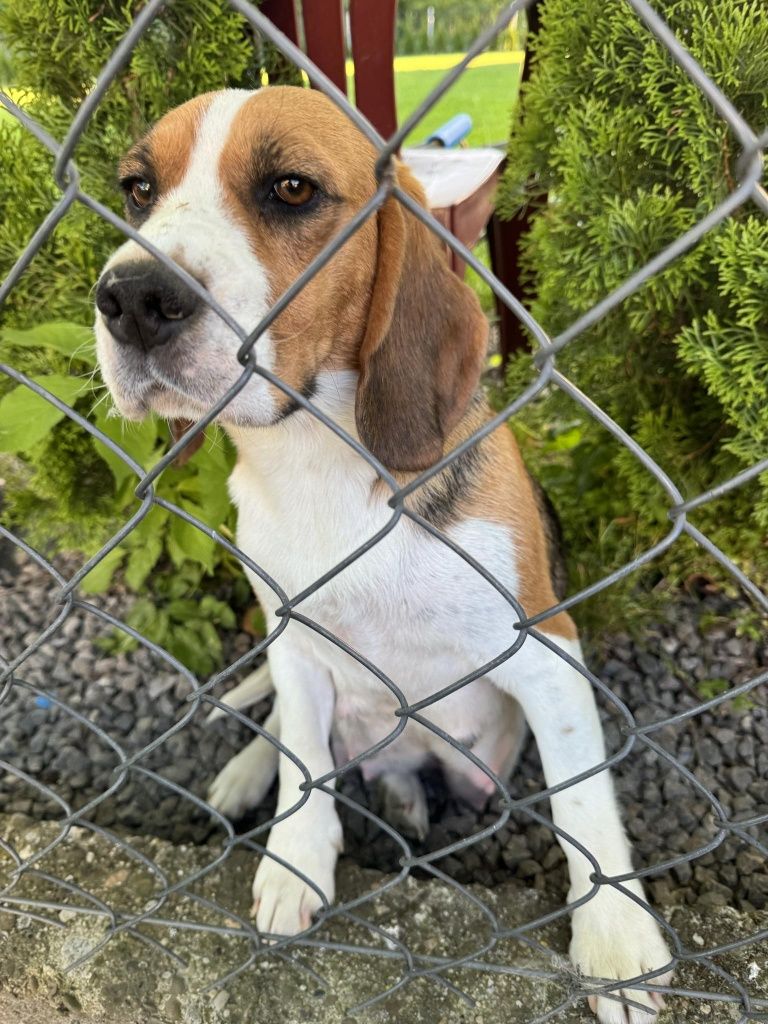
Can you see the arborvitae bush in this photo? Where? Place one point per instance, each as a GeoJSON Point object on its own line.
{"type": "Point", "coordinates": [621, 154]}
{"type": "Point", "coordinates": [63, 490]}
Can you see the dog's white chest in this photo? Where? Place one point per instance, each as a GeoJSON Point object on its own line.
{"type": "Point", "coordinates": [409, 604]}
{"type": "Point", "coordinates": [307, 506]}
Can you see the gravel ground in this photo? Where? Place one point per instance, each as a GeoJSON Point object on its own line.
{"type": "Point", "coordinates": [134, 698]}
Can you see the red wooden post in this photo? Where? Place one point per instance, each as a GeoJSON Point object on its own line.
{"type": "Point", "coordinates": [324, 33]}
{"type": "Point", "coordinates": [504, 239]}
{"type": "Point", "coordinates": [282, 14]}
{"type": "Point", "coordinates": [373, 50]}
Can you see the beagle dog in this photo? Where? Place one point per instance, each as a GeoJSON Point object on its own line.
{"type": "Point", "coordinates": [242, 189]}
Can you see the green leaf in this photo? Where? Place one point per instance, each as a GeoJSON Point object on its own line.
{"type": "Point", "coordinates": [216, 455]}
{"type": "Point", "coordinates": [183, 609]}
{"type": "Point", "coordinates": [186, 541]}
{"type": "Point", "coordinates": [142, 559]}
{"type": "Point", "coordinates": [99, 578]}
{"type": "Point", "coordinates": [567, 439]}
{"type": "Point", "coordinates": [209, 636]}
{"type": "Point", "coordinates": [60, 335]}
{"type": "Point", "coordinates": [204, 496]}
{"type": "Point", "coordinates": [25, 418]}
{"type": "Point", "coordinates": [185, 643]}
{"type": "Point", "coordinates": [214, 610]}
{"type": "Point", "coordinates": [139, 440]}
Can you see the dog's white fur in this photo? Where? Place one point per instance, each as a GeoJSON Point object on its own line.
{"type": "Point", "coordinates": [410, 605]}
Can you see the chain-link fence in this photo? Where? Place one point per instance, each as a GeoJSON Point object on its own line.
{"type": "Point", "coordinates": [164, 911]}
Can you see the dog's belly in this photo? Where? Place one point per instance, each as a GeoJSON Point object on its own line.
{"type": "Point", "coordinates": [479, 717]}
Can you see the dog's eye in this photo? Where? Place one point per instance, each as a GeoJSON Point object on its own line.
{"type": "Point", "coordinates": [294, 191]}
{"type": "Point", "coordinates": [140, 193]}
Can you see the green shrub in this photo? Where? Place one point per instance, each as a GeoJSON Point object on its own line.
{"type": "Point", "coordinates": [6, 70]}
{"type": "Point", "coordinates": [64, 490]}
{"type": "Point", "coordinates": [630, 154]}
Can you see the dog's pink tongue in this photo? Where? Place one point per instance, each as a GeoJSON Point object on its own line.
{"type": "Point", "coordinates": [178, 429]}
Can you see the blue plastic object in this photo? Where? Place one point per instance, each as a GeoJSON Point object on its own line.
{"type": "Point", "coordinates": [42, 702]}
{"type": "Point", "coordinates": [452, 132]}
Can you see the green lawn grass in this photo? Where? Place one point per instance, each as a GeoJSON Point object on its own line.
{"type": "Point", "coordinates": [487, 94]}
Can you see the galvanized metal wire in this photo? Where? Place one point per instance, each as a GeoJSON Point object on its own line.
{"type": "Point", "coordinates": [152, 925]}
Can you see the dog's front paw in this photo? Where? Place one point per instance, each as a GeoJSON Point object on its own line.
{"type": "Point", "coordinates": [282, 902]}
{"type": "Point", "coordinates": [245, 780]}
{"type": "Point", "coordinates": [614, 938]}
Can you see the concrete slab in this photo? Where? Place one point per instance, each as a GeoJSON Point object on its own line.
{"type": "Point", "coordinates": [132, 982]}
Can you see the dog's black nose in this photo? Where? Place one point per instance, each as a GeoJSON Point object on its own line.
{"type": "Point", "coordinates": [145, 304]}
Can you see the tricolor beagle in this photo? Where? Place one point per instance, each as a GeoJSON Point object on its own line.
{"type": "Point", "coordinates": [243, 189]}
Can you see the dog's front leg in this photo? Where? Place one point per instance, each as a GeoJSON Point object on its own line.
{"type": "Point", "coordinates": [309, 839]}
{"type": "Point", "coordinates": [613, 936]}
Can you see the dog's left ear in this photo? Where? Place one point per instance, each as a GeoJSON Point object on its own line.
{"type": "Point", "coordinates": [424, 346]}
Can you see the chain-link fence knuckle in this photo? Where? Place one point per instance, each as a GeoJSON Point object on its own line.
{"type": "Point", "coordinates": [596, 588]}
{"type": "Point", "coordinates": [367, 664]}
{"type": "Point", "coordinates": [716, 492]}
{"type": "Point", "coordinates": [411, 710]}
{"type": "Point", "coordinates": [709, 705]}
{"type": "Point", "coordinates": [619, 433]}
{"type": "Point", "coordinates": [382, 945]}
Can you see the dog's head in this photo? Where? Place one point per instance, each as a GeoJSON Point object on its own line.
{"type": "Point", "coordinates": [242, 189]}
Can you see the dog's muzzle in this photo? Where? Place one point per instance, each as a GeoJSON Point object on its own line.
{"type": "Point", "coordinates": [144, 304]}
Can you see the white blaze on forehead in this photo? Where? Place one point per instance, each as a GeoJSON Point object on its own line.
{"type": "Point", "coordinates": [202, 179]}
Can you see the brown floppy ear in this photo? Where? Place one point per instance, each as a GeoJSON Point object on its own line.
{"type": "Point", "coordinates": [424, 345]}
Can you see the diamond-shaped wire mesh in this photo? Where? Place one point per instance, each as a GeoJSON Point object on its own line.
{"type": "Point", "coordinates": [172, 898]}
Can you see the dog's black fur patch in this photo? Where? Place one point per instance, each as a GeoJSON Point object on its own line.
{"type": "Point", "coordinates": [307, 390]}
{"type": "Point", "coordinates": [553, 531]}
{"type": "Point", "coordinates": [438, 502]}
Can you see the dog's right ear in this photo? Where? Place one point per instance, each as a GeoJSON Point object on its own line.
{"type": "Point", "coordinates": [424, 346]}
